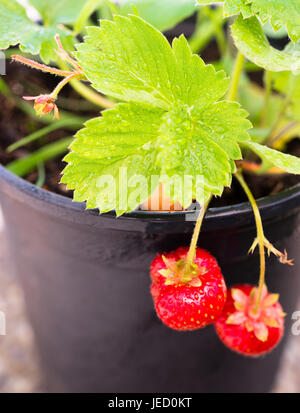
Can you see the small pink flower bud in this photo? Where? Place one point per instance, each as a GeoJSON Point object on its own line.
{"type": "Point", "coordinates": [43, 105]}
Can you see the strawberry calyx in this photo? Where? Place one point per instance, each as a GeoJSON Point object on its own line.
{"type": "Point", "coordinates": [255, 319]}
{"type": "Point", "coordinates": [282, 256]}
{"type": "Point", "coordinates": [176, 273]}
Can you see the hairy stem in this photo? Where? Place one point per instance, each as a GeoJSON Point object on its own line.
{"type": "Point", "coordinates": [260, 236]}
{"type": "Point", "coordinates": [193, 246]}
{"type": "Point", "coordinates": [80, 88]}
{"type": "Point", "coordinates": [39, 66]}
{"type": "Point", "coordinates": [235, 79]}
{"type": "Point", "coordinates": [63, 83]}
{"type": "Point", "coordinates": [65, 55]}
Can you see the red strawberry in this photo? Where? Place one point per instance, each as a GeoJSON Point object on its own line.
{"type": "Point", "coordinates": [202, 259]}
{"type": "Point", "coordinates": [187, 301]}
{"type": "Point", "coordinates": [246, 331]}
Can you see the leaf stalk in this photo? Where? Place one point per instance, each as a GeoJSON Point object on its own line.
{"type": "Point", "coordinates": [235, 79]}
{"type": "Point", "coordinates": [192, 250]}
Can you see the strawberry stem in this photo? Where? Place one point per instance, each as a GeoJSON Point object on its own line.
{"type": "Point", "coordinates": [61, 84]}
{"type": "Point", "coordinates": [235, 79]}
{"type": "Point", "coordinates": [260, 237]}
{"type": "Point", "coordinates": [87, 92]}
{"type": "Point", "coordinates": [268, 92]}
{"type": "Point", "coordinates": [65, 56]}
{"type": "Point", "coordinates": [39, 66]}
{"type": "Point", "coordinates": [90, 95]}
{"type": "Point", "coordinates": [192, 250]}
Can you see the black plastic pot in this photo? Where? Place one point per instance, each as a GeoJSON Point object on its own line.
{"type": "Point", "coordinates": [86, 284]}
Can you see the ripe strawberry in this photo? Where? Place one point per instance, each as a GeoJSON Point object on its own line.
{"type": "Point", "coordinates": [187, 301]}
{"type": "Point", "coordinates": [246, 331]}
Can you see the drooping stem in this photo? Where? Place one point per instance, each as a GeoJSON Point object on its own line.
{"type": "Point", "coordinates": [235, 79]}
{"type": "Point", "coordinates": [72, 77]}
{"type": "Point", "coordinates": [63, 83]}
{"type": "Point", "coordinates": [29, 111]}
{"type": "Point", "coordinates": [260, 236]}
{"type": "Point", "coordinates": [192, 250]}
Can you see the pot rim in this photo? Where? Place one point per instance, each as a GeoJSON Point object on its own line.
{"type": "Point", "coordinates": [269, 206]}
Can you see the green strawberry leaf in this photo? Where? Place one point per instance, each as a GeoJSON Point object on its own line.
{"type": "Point", "coordinates": [120, 140]}
{"type": "Point", "coordinates": [288, 163]}
{"type": "Point", "coordinates": [280, 13]}
{"type": "Point", "coordinates": [62, 11]}
{"type": "Point", "coordinates": [16, 28]}
{"type": "Point", "coordinates": [163, 15]}
{"type": "Point", "coordinates": [172, 126]}
{"type": "Point", "coordinates": [232, 7]}
{"type": "Point", "coordinates": [142, 67]}
{"type": "Point", "coordinates": [270, 32]}
{"type": "Point", "coordinates": [251, 41]}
